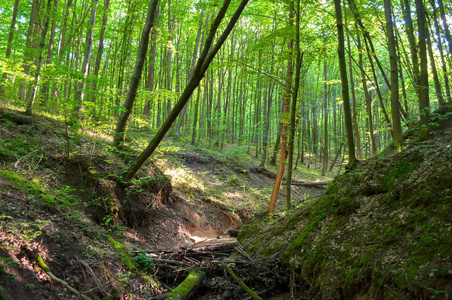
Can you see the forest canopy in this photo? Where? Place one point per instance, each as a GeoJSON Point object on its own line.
{"type": "Point", "coordinates": [82, 61]}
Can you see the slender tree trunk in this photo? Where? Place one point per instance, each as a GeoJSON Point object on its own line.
{"type": "Point", "coordinates": [352, 88]}
{"type": "Point", "coordinates": [45, 86]}
{"type": "Point", "coordinates": [284, 121]}
{"type": "Point", "coordinates": [152, 55]}
{"type": "Point", "coordinates": [9, 45]}
{"type": "Point", "coordinates": [29, 45]}
{"type": "Point", "coordinates": [439, 94]}
{"type": "Point", "coordinates": [367, 37]}
{"type": "Point", "coordinates": [395, 106]}
{"type": "Point", "coordinates": [193, 61]}
{"type": "Point", "coordinates": [424, 105]}
{"type": "Point", "coordinates": [119, 135]}
{"type": "Point", "coordinates": [325, 129]}
{"type": "Point", "coordinates": [100, 50]}
{"type": "Point", "coordinates": [445, 26]}
{"type": "Point", "coordinates": [293, 119]}
{"type": "Point", "coordinates": [405, 4]}
{"type": "Point", "coordinates": [443, 61]}
{"type": "Point", "coordinates": [345, 94]}
{"type": "Point", "coordinates": [377, 88]}
{"type": "Point", "coordinates": [31, 100]}
{"type": "Point", "coordinates": [80, 90]}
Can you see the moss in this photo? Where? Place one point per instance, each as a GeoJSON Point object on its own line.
{"type": "Point", "coordinates": [124, 257]}
{"type": "Point", "coordinates": [41, 264]}
{"type": "Point", "coordinates": [21, 183]}
{"type": "Point", "coordinates": [190, 283]}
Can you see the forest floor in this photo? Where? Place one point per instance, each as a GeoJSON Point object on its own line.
{"type": "Point", "coordinates": [62, 199]}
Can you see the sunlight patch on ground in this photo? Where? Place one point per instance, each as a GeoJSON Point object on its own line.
{"type": "Point", "coordinates": [180, 177]}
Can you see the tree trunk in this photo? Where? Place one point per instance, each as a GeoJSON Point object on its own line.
{"type": "Point", "coordinates": [80, 89]}
{"type": "Point", "coordinates": [405, 4]}
{"type": "Point", "coordinates": [284, 121]}
{"type": "Point", "coordinates": [345, 94]}
{"type": "Point", "coordinates": [193, 61]}
{"type": "Point", "coordinates": [100, 50]}
{"type": "Point", "coordinates": [395, 105]}
{"type": "Point", "coordinates": [352, 87]}
{"type": "Point", "coordinates": [9, 45]}
{"type": "Point", "coordinates": [293, 120]}
{"type": "Point", "coordinates": [325, 129]}
{"type": "Point", "coordinates": [45, 87]}
{"type": "Point", "coordinates": [136, 77]}
{"type": "Point", "coordinates": [29, 45]}
{"type": "Point", "coordinates": [443, 61]}
{"type": "Point", "coordinates": [445, 25]}
{"type": "Point", "coordinates": [439, 94]}
{"type": "Point", "coordinates": [31, 100]}
{"type": "Point", "coordinates": [424, 105]}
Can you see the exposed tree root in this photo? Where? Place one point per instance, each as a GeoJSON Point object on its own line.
{"type": "Point", "coordinates": [44, 267]}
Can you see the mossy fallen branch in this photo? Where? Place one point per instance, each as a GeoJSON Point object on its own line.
{"type": "Point", "coordinates": [250, 292]}
{"type": "Point", "coordinates": [189, 286]}
{"type": "Point", "coordinates": [44, 267]}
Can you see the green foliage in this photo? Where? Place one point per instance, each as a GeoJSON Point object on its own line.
{"type": "Point", "coordinates": [144, 263]}
{"type": "Point", "coordinates": [27, 231]}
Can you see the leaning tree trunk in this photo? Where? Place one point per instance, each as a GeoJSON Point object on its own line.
{"type": "Point", "coordinates": [202, 65]}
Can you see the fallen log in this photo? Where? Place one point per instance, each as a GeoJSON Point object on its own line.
{"type": "Point", "coordinates": [188, 287]}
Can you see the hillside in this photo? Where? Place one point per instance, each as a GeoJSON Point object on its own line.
{"type": "Point", "coordinates": [62, 199]}
{"type": "Point", "coordinates": [382, 231]}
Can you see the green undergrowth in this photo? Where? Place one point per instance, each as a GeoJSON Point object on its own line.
{"type": "Point", "coordinates": [383, 229]}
